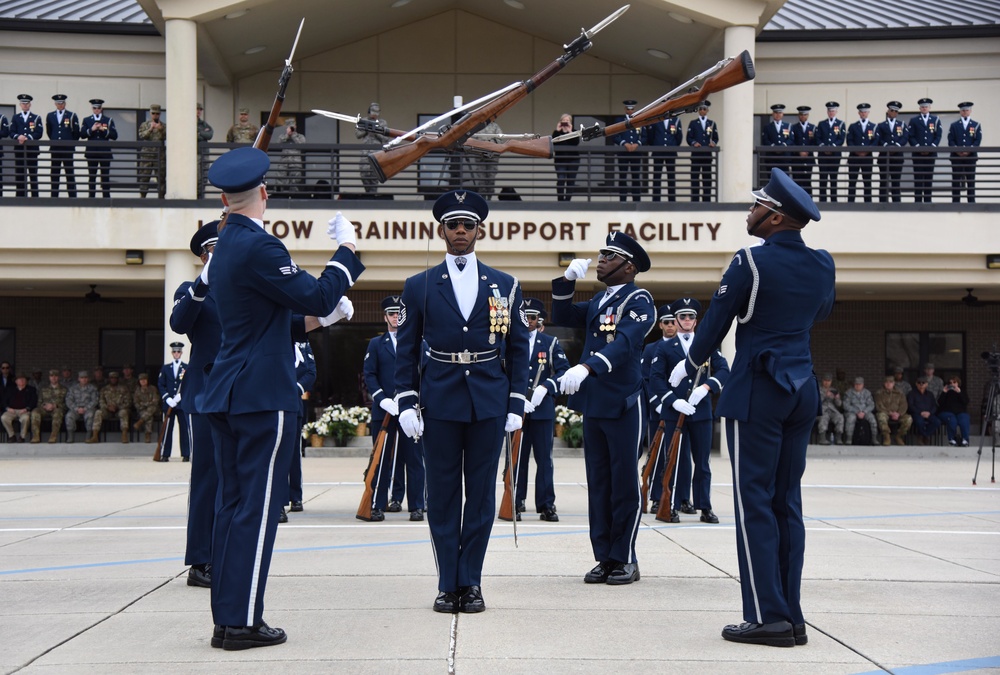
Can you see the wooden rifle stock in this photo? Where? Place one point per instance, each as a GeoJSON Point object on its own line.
{"type": "Point", "coordinates": [163, 432]}
{"type": "Point", "coordinates": [509, 480]}
{"type": "Point", "coordinates": [535, 147]}
{"type": "Point", "coordinates": [663, 513]}
{"type": "Point", "coordinates": [647, 471]}
{"type": "Point", "coordinates": [367, 497]}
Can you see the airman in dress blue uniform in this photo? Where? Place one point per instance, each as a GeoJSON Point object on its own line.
{"type": "Point", "coordinates": [250, 393]}
{"type": "Point", "coordinates": [305, 379]}
{"type": "Point", "coordinates": [668, 328]}
{"type": "Point", "coordinates": [696, 403]}
{"type": "Point", "coordinates": [777, 291]}
{"type": "Point", "coordinates": [4, 133]}
{"type": "Point", "coordinates": [195, 315]}
{"type": "Point", "coordinates": [925, 132]}
{"type": "Point", "coordinates": [607, 388]}
{"type": "Point", "coordinates": [702, 133]}
{"type": "Point", "coordinates": [471, 392]}
{"type": "Point", "coordinates": [830, 134]}
{"type": "Point", "coordinates": [964, 133]}
{"type": "Point", "coordinates": [861, 134]}
{"type": "Point", "coordinates": [25, 127]}
{"type": "Point", "coordinates": [169, 386]}
{"type": "Point", "coordinates": [546, 362]}
{"type": "Point", "coordinates": [775, 134]}
{"type": "Point", "coordinates": [803, 133]}
{"type": "Point", "coordinates": [630, 158]}
{"type": "Point", "coordinates": [668, 133]}
{"type": "Point", "coordinates": [62, 125]}
{"type": "Point", "coordinates": [890, 134]}
{"type": "Point", "coordinates": [98, 130]}
{"type": "Point", "coordinates": [402, 462]}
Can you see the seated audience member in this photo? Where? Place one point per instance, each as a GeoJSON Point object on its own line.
{"type": "Point", "coordinates": [81, 401]}
{"type": "Point", "coordinates": [19, 401]}
{"type": "Point", "coordinates": [890, 406]}
{"type": "Point", "coordinates": [146, 399]}
{"type": "Point", "coordinates": [830, 406]}
{"type": "Point", "coordinates": [115, 401]}
{"type": "Point", "coordinates": [953, 409]}
{"type": "Point", "coordinates": [51, 403]}
{"type": "Point", "coordinates": [921, 405]}
{"type": "Point", "coordinates": [858, 405]}
{"type": "Point", "coordinates": [934, 383]}
{"type": "Point", "coordinates": [902, 386]}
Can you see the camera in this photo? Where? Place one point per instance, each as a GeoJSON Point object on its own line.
{"type": "Point", "coordinates": [992, 359]}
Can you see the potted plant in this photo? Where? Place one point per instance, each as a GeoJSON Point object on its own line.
{"type": "Point", "coordinates": [569, 426]}
{"type": "Point", "coordinates": [335, 422]}
{"type": "Point", "coordinates": [362, 416]}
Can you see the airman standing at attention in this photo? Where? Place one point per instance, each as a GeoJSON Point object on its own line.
{"type": "Point", "coordinates": [803, 133]}
{"type": "Point", "coordinates": [965, 134]}
{"type": "Point", "coordinates": [861, 133]}
{"type": "Point", "coordinates": [62, 125]}
{"type": "Point", "coordinates": [702, 133]}
{"type": "Point", "coordinates": [26, 127]}
{"type": "Point", "coordinates": [116, 401]}
{"type": "Point", "coordinates": [776, 134]}
{"type": "Point", "coordinates": [830, 134]}
{"type": "Point", "coordinates": [51, 403]}
{"type": "Point", "coordinates": [98, 130]}
{"type": "Point", "coordinates": [925, 132]}
{"type": "Point", "coordinates": [890, 134]}
{"type": "Point", "coordinates": [243, 131]}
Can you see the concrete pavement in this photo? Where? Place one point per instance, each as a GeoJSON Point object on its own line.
{"type": "Point", "coordinates": [902, 575]}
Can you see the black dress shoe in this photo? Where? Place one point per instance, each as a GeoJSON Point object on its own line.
{"type": "Point", "coordinates": [246, 637]}
{"type": "Point", "coordinates": [164, 459]}
{"type": "Point", "coordinates": [471, 600]}
{"type": "Point", "coordinates": [674, 518]}
{"type": "Point", "coordinates": [283, 518]}
{"type": "Point", "coordinates": [416, 515]}
{"type": "Point", "coordinates": [550, 515]}
{"type": "Point", "coordinates": [185, 459]}
{"type": "Point", "coordinates": [600, 573]}
{"type": "Point", "coordinates": [394, 507]}
{"type": "Point", "coordinates": [218, 635]}
{"type": "Point", "coordinates": [708, 517]}
{"type": "Point", "coordinates": [654, 507]}
{"type": "Point", "coordinates": [777, 634]}
{"type": "Point", "coordinates": [296, 507]}
{"type": "Point", "coordinates": [520, 507]}
{"type": "Point", "coordinates": [446, 603]}
{"type": "Point", "coordinates": [624, 573]}
{"type": "Point", "coordinates": [201, 576]}
{"type": "Point", "coordinates": [687, 508]}
{"type": "Point", "coordinates": [799, 630]}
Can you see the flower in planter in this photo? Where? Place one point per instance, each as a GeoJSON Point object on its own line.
{"type": "Point", "coordinates": [572, 426]}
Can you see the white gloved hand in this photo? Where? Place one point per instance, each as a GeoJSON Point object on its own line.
{"type": "Point", "coordinates": [171, 402]}
{"type": "Point", "coordinates": [571, 380]}
{"type": "Point", "coordinates": [577, 269]}
{"type": "Point", "coordinates": [513, 423]}
{"type": "Point", "coordinates": [343, 310]}
{"type": "Point", "coordinates": [678, 374]}
{"type": "Point", "coordinates": [204, 270]}
{"type": "Point", "coordinates": [411, 423]}
{"type": "Point", "coordinates": [538, 396]}
{"type": "Point", "coordinates": [682, 406]}
{"type": "Point", "coordinates": [697, 395]}
{"type": "Point", "coordinates": [528, 408]}
{"type": "Point", "coordinates": [659, 409]}
{"type": "Point", "coordinates": [341, 230]}
{"type": "Point", "coordinates": [388, 405]}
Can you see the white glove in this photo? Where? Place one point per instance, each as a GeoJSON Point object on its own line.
{"type": "Point", "coordinates": [171, 402]}
{"type": "Point", "coordinates": [343, 310]}
{"type": "Point", "coordinates": [571, 380]}
{"type": "Point", "coordinates": [388, 405]}
{"type": "Point", "coordinates": [513, 423]}
{"type": "Point", "coordinates": [204, 270]}
{"type": "Point", "coordinates": [538, 396]}
{"type": "Point", "coordinates": [659, 409]}
{"type": "Point", "coordinates": [577, 269]}
{"type": "Point", "coordinates": [341, 230]}
{"type": "Point", "coordinates": [682, 406]}
{"type": "Point", "coordinates": [411, 423]}
{"type": "Point", "coordinates": [678, 374]}
{"type": "Point", "coordinates": [697, 395]}
{"type": "Point", "coordinates": [528, 408]}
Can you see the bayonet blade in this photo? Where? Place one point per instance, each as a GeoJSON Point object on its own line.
{"type": "Point", "coordinates": [291, 55]}
{"type": "Point", "coordinates": [604, 24]}
{"type": "Point", "coordinates": [338, 116]}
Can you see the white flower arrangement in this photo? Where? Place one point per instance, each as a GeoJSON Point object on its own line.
{"type": "Point", "coordinates": [566, 416]}
{"type": "Point", "coordinates": [338, 421]}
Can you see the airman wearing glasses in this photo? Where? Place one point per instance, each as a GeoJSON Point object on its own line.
{"type": "Point", "coordinates": [169, 384]}
{"type": "Point", "coordinates": [470, 394]}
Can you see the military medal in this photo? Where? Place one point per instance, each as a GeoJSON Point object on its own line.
{"type": "Point", "coordinates": [493, 337]}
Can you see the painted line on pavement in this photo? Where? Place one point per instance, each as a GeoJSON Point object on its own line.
{"type": "Point", "coordinates": [943, 667]}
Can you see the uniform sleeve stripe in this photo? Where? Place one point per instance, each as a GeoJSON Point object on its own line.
{"type": "Point", "coordinates": [376, 393]}
{"type": "Point", "coordinates": [717, 382]}
{"type": "Point", "coordinates": [340, 266]}
{"type": "Point", "coordinates": [605, 359]}
{"type": "Point", "coordinates": [193, 296]}
{"type": "Point", "coordinates": [404, 394]}
{"type": "Point", "coordinates": [562, 297]}
{"type": "Point", "coordinates": [520, 396]}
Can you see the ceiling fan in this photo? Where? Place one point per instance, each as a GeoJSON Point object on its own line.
{"type": "Point", "coordinates": [94, 296]}
{"type": "Point", "coordinates": [971, 300]}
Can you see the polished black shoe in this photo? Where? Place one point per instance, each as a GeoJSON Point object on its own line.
{"type": "Point", "coordinates": [218, 635]}
{"type": "Point", "coordinates": [471, 600]}
{"type": "Point", "coordinates": [674, 518]}
{"type": "Point", "coordinates": [687, 508]}
{"type": "Point", "coordinates": [654, 507]}
{"type": "Point", "coordinates": [163, 459]}
{"type": "Point", "coordinates": [446, 603]}
{"type": "Point", "coordinates": [624, 573]}
{"type": "Point", "coordinates": [417, 515]}
{"type": "Point", "coordinates": [708, 517]}
{"type": "Point", "coordinates": [283, 518]}
{"type": "Point", "coordinates": [599, 574]}
{"type": "Point", "coordinates": [777, 634]}
{"type": "Point", "coordinates": [200, 575]}
{"type": "Point", "coordinates": [377, 516]}
{"type": "Point", "coordinates": [185, 459]}
{"type": "Point", "coordinates": [550, 515]}
{"type": "Point", "coordinates": [799, 630]}
{"type": "Point", "coordinates": [246, 637]}
{"type": "Point", "coordinates": [296, 507]}
{"type": "Point", "coordinates": [520, 507]}
{"type": "Point", "coordinates": [394, 507]}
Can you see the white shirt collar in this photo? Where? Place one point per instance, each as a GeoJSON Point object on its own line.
{"type": "Point", "coordinates": [470, 264]}
{"type": "Point", "coordinates": [259, 222]}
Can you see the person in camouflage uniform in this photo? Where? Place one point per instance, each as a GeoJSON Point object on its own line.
{"type": "Point", "coordinates": [243, 131]}
{"type": "Point", "coordinates": [81, 401]}
{"type": "Point", "coordinates": [291, 167]}
{"type": "Point", "coordinates": [368, 175]}
{"type": "Point", "coordinates": [902, 386]}
{"type": "Point", "coordinates": [146, 399]}
{"type": "Point", "coordinates": [153, 161]}
{"type": "Point", "coordinates": [481, 169]}
{"type": "Point", "coordinates": [890, 406]}
{"type": "Point", "coordinates": [51, 403]}
{"type": "Point", "coordinates": [115, 401]}
{"type": "Point", "coordinates": [830, 405]}
{"type": "Point", "coordinates": [128, 378]}
{"type": "Point", "coordinates": [858, 405]}
{"type": "Point", "coordinates": [66, 377]}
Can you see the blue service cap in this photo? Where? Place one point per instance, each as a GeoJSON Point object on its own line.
{"type": "Point", "coordinates": [391, 303]}
{"type": "Point", "coordinates": [665, 312]}
{"type": "Point", "coordinates": [239, 170]}
{"type": "Point", "coordinates": [206, 235]}
{"type": "Point", "coordinates": [788, 197]}
{"type": "Point", "coordinates": [619, 242]}
{"type": "Point", "coordinates": [534, 307]}
{"type": "Point", "coordinates": [461, 204]}
{"type": "Point", "coordinates": [686, 306]}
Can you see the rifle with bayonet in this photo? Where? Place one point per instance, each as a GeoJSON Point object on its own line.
{"type": "Point", "coordinates": [528, 145]}
{"type": "Point", "coordinates": [396, 156]}
{"type": "Point", "coordinates": [666, 500]}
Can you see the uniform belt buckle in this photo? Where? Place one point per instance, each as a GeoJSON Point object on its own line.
{"type": "Point", "coordinates": [464, 357]}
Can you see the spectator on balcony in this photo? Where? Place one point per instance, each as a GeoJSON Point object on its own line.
{"type": "Point", "coordinates": [18, 404]}
{"type": "Point", "coordinates": [291, 169]}
{"type": "Point", "coordinates": [861, 134]}
{"type": "Point", "coordinates": [925, 132]}
{"type": "Point", "coordinates": [890, 134]}
{"type": "Point", "coordinates": [858, 405]}
{"type": "Point", "coordinates": [98, 130]}
{"type": "Point", "coordinates": [630, 157]}
{"type": "Point", "coordinates": [830, 133]}
{"type": "Point", "coordinates": [668, 133]}
{"type": "Point", "coordinates": [4, 133]}
{"type": "Point", "coordinates": [25, 127]}
{"type": "Point", "coordinates": [803, 133]}
{"type": "Point", "coordinates": [775, 134]}
{"type": "Point", "coordinates": [62, 125]}
{"type": "Point", "coordinates": [965, 133]}
{"type": "Point", "coordinates": [702, 133]}
{"type": "Point", "coordinates": [153, 160]}
{"type": "Point", "coordinates": [369, 177]}
{"type": "Point", "coordinates": [953, 409]}
{"type": "Point", "coordinates": [922, 406]}
{"type": "Point", "coordinates": [205, 131]}
{"type": "Point", "coordinates": [567, 160]}
{"type": "Point", "coordinates": [244, 131]}
{"type": "Point", "coordinates": [481, 169]}
{"type": "Point", "coordinates": [890, 407]}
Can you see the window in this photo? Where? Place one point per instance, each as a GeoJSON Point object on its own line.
{"type": "Point", "coordinates": [912, 350]}
{"type": "Point", "coordinates": [142, 348]}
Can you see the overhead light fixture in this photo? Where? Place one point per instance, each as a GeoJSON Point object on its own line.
{"type": "Point", "coordinates": [237, 14]}
{"type": "Point", "coordinates": [658, 53]}
{"type": "Point", "coordinates": [400, 3]}
{"type": "Point", "coordinates": [516, 4]}
{"type": "Point", "coordinates": [565, 259]}
{"type": "Point", "coordinates": [134, 257]}
{"type": "Point", "coordinates": [255, 50]}
{"type": "Point", "coordinates": [679, 17]}
{"type": "Point", "coordinates": [993, 261]}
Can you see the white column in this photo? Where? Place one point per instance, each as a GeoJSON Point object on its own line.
{"type": "Point", "coordinates": [182, 132]}
{"type": "Point", "coordinates": [736, 132]}
{"type": "Point", "coordinates": [179, 267]}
